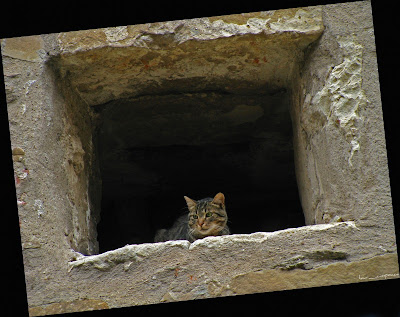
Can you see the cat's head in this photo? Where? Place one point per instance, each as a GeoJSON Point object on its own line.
{"type": "Point", "coordinates": [207, 217]}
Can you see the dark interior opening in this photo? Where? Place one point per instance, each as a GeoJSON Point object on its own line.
{"type": "Point", "coordinates": [153, 150]}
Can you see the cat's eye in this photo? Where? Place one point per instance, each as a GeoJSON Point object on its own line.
{"type": "Point", "coordinates": [195, 216]}
{"type": "Point", "coordinates": [209, 214]}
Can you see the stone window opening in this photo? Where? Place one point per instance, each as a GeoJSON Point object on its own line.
{"type": "Point", "coordinates": [170, 115]}
{"type": "Point", "coordinates": [153, 150]}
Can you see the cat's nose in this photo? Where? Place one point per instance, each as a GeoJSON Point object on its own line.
{"type": "Point", "coordinates": [201, 222]}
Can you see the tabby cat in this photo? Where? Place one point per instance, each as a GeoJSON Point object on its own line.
{"type": "Point", "coordinates": [206, 217]}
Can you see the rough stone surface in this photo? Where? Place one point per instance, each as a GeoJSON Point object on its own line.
{"type": "Point", "coordinates": [188, 55]}
{"type": "Point", "coordinates": [320, 59]}
{"type": "Point", "coordinates": [381, 267]}
{"type": "Point", "coordinates": [68, 307]}
{"type": "Point", "coordinates": [337, 125]}
{"type": "Point", "coordinates": [286, 259]}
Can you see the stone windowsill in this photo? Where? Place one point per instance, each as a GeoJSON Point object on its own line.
{"type": "Point", "coordinates": [256, 241]}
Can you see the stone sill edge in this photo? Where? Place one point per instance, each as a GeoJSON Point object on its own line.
{"type": "Point", "coordinates": [138, 251]}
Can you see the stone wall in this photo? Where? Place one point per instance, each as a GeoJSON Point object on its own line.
{"type": "Point", "coordinates": [322, 59]}
{"type": "Point", "coordinates": [336, 117]}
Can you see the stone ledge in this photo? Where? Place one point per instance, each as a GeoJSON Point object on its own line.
{"type": "Point", "coordinates": [128, 253]}
{"type": "Point", "coordinates": [376, 268]}
{"type": "Point", "coordinates": [308, 256]}
{"type": "Point", "coordinates": [255, 242]}
{"type": "Point", "coordinates": [317, 255]}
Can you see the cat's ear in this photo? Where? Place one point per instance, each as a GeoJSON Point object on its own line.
{"type": "Point", "coordinates": [219, 200]}
{"type": "Point", "coordinates": [190, 202]}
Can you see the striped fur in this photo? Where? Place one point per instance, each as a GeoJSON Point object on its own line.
{"type": "Point", "coordinates": [206, 217]}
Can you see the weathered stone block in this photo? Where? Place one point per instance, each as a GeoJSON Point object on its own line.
{"type": "Point", "coordinates": [380, 267]}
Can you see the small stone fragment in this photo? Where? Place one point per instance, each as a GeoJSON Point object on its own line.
{"type": "Point", "coordinates": [18, 154]}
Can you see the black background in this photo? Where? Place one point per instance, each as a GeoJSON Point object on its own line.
{"type": "Point", "coordinates": [380, 298]}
